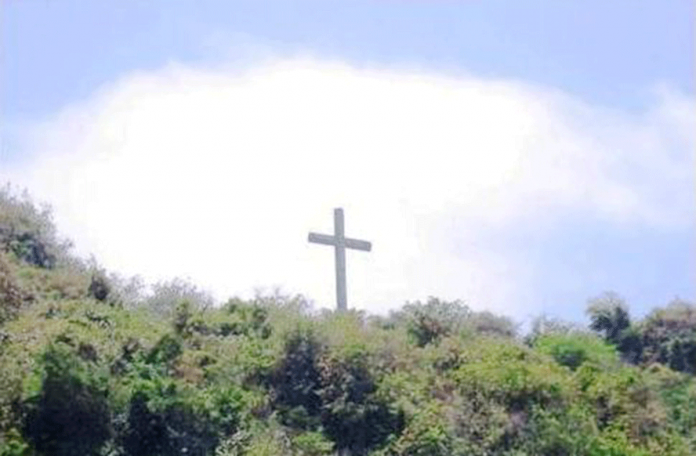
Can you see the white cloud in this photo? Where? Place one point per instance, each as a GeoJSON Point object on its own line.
{"type": "Point", "coordinates": [219, 174]}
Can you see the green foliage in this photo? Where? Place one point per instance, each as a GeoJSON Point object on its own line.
{"type": "Point", "coordinates": [28, 232]}
{"type": "Point", "coordinates": [572, 350]}
{"type": "Point", "coordinates": [166, 296]}
{"type": "Point", "coordinates": [168, 349]}
{"type": "Point", "coordinates": [70, 413]}
{"type": "Point", "coordinates": [320, 386]}
{"type": "Point", "coordinates": [354, 415]}
{"type": "Point", "coordinates": [235, 318]}
{"type": "Point", "coordinates": [544, 325]}
{"type": "Point", "coordinates": [513, 376]}
{"type": "Point", "coordinates": [172, 374]}
{"type": "Point", "coordinates": [609, 316]}
{"type": "Point", "coordinates": [266, 439]}
{"type": "Point", "coordinates": [669, 336]}
{"type": "Point", "coordinates": [14, 444]}
{"type": "Point", "coordinates": [296, 380]}
{"type": "Point", "coordinates": [168, 419]}
{"type": "Point", "coordinates": [251, 319]}
{"type": "Point", "coordinates": [678, 392]}
{"type": "Point", "coordinates": [426, 434]}
{"type": "Point", "coordinates": [431, 321]}
{"type": "Point", "coordinates": [182, 316]}
{"type": "Point", "coordinates": [12, 296]}
{"type": "Point", "coordinates": [312, 444]}
{"type": "Point", "coordinates": [99, 286]}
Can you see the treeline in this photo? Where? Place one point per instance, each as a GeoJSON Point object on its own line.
{"type": "Point", "coordinates": [91, 365]}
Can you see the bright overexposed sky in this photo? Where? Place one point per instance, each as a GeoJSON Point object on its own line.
{"type": "Point", "coordinates": [522, 159]}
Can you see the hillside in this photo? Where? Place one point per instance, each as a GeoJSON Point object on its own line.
{"type": "Point", "coordinates": [91, 365]}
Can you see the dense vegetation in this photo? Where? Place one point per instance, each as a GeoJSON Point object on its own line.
{"type": "Point", "coordinates": [91, 365]}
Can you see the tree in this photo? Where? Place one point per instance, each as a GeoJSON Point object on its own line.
{"type": "Point", "coordinates": [99, 286]}
{"type": "Point", "coordinates": [669, 336]}
{"type": "Point", "coordinates": [167, 295]}
{"type": "Point", "coordinates": [609, 316]}
{"type": "Point", "coordinates": [28, 232]}
{"type": "Point", "coordinates": [429, 322]}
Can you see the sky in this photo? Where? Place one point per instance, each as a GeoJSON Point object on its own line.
{"type": "Point", "coordinates": [520, 156]}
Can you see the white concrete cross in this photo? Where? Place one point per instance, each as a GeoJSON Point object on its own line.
{"type": "Point", "coordinates": [340, 243]}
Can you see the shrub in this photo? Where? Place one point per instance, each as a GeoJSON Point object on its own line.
{"type": "Point", "coordinates": [312, 444]}
{"type": "Point", "coordinates": [296, 380]}
{"type": "Point", "coordinates": [69, 414]}
{"type": "Point", "coordinates": [487, 323]}
{"type": "Point", "coordinates": [99, 286]}
{"type": "Point", "coordinates": [669, 336]}
{"type": "Point", "coordinates": [572, 350]}
{"type": "Point", "coordinates": [14, 445]}
{"type": "Point", "coordinates": [12, 296]}
{"type": "Point", "coordinates": [544, 325]}
{"type": "Point", "coordinates": [252, 319]}
{"type": "Point", "coordinates": [167, 349]}
{"type": "Point", "coordinates": [426, 434]}
{"type": "Point", "coordinates": [512, 375]}
{"type": "Point", "coordinates": [167, 418]}
{"type": "Point", "coordinates": [28, 232]}
{"type": "Point", "coordinates": [428, 323]}
{"type": "Point", "coordinates": [353, 414]}
{"type": "Point", "coordinates": [167, 295]}
{"type": "Point", "coordinates": [172, 430]}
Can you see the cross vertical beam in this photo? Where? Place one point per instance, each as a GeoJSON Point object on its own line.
{"type": "Point", "coordinates": [340, 243]}
{"type": "Point", "coordinates": [340, 250]}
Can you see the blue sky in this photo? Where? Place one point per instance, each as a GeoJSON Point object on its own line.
{"type": "Point", "coordinates": [612, 56]}
{"type": "Point", "coordinates": [609, 52]}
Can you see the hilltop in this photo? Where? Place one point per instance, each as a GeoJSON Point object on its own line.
{"type": "Point", "coordinates": [91, 365]}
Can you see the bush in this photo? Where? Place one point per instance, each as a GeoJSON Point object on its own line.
{"type": "Point", "coordinates": [428, 323]}
{"type": "Point", "coordinates": [678, 392]}
{"type": "Point", "coordinates": [572, 350]}
{"type": "Point", "coordinates": [503, 384]}
{"type": "Point", "coordinates": [166, 418]}
{"type": "Point", "coordinates": [427, 434]}
{"type": "Point", "coordinates": [14, 445]}
{"type": "Point", "coordinates": [69, 415]}
{"type": "Point", "coordinates": [166, 296]}
{"type": "Point", "coordinates": [544, 326]}
{"type": "Point", "coordinates": [669, 336]}
{"type": "Point", "coordinates": [296, 380]}
{"type": "Point", "coordinates": [99, 286]}
{"type": "Point", "coordinates": [167, 349]}
{"type": "Point", "coordinates": [28, 232]}
{"type": "Point", "coordinates": [312, 444]}
{"type": "Point", "coordinates": [609, 316]}
{"type": "Point", "coordinates": [487, 323]}
{"type": "Point", "coordinates": [172, 430]}
{"type": "Point", "coordinates": [12, 296]}
{"type": "Point", "coordinates": [353, 414]}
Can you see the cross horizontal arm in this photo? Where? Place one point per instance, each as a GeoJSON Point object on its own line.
{"type": "Point", "coordinates": [358, 245]}
{"type": "Point", "coordinates": [348, 242]}
{"type": "Point", "coordinates": [322, 239]}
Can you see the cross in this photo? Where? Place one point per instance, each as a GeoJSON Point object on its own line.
{"type": "Point", "coordinates": [340, 242]}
